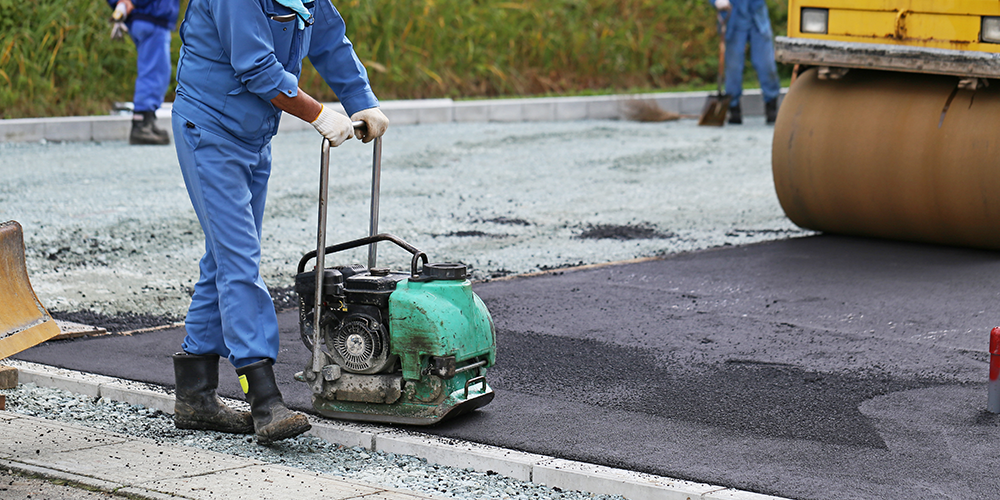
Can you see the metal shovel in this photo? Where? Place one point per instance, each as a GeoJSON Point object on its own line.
{"type": "Point", "coordinates": [716, 106]}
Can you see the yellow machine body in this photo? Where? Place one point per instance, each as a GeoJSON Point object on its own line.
{"type": "Point", "coordinates": [940, 24]}
{"type": "Point", "coordinates": [889, 130]}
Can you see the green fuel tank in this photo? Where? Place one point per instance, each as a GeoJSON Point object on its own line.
{"type": "Point", "coordinates": [439, 318]}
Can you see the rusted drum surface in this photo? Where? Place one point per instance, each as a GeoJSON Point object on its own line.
{"type": "Point", "coordinates": [876, 154]}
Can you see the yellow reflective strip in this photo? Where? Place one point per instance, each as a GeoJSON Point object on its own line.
{"type": "Point", "coordinates": [243, 384]}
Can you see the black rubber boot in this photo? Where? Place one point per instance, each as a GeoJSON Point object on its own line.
{"type": "Point", "coordinates": [771, 111]}
{"type": "Point", "coordinates": [196, 406]}
{"type": "Point", "coordinates": [272, 420]}
{"type": "Point", "coordinates": [145, 131]}
{"type": "Point", "coordinates": [735, 115]}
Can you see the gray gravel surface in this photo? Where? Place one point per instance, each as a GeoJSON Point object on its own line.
{"type": "Point", "coordinates": [109, 228]}
{"type": "Point", "coordinates": [304, 452]}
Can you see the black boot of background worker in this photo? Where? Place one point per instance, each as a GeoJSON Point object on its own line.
{"type": "Point", "coordinates": [145, 131]}
{"type": "Point", "coordinates": [272, 420]}
{"type": "Point", "coordinates": [771, 111]}
{"type": "Point", "coordinates": [735, 115]}
{"type": "Point", "coordinates": [196, 405]}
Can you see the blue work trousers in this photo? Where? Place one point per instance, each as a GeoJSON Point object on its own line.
{"type": "Point", "coordinates": [152, 45]}
{"type": "Point", "coordinates": [739, 33]}
{"type": "Point", "coordinates": [231, 312]}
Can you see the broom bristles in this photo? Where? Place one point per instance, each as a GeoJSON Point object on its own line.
{"type": "Point", "coordinates": [647, 111]}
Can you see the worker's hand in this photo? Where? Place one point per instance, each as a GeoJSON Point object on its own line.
{"type": "Point", "coordinates": [723, 5]}
{"type": "Point", "coordinates": [375, 121]}
{"type": "Point", "coordinates": [118, 27]}
{"type": "Point", "coordinates": [334, 126]}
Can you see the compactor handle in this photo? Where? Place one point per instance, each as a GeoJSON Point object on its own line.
{"type": "Point", "coordinates": [324, 186]}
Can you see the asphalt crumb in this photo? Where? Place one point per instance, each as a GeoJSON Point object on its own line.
{"type": "Point", "coordinates": [507, 221]}
{"type": "Point", "coordinates": [284, 298]}
{"type": "Point", "coordinates": [762, 399]}
{"type": "Point", "coordinates": [116, 323]}
{"type": "Point", "coordinates": [474, 234]}
{"type": "Point", "coordinates": [641, 231]}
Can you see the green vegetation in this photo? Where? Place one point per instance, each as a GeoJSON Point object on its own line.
{"type": "Point", "coordinates": [56, 57]}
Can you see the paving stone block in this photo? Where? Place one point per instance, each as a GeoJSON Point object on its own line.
{"type": "Point", "coordinates": [75, 128]}
{"type": "Point", "coordinates": [596, 479]}
{"type": "Point", "coordinates": [571, 109]}
{"type": "Point", "coordinates": [8, 377]}
{"type": "Point", "coordinates": [472, 111]}
{"type": "Point", "coordinates": [280, 483]}
{"type": "Point", "coordinates": [22, 130]}
{"type": "Point", "coordinates": [28, 438]}
{"type": "Point", "coordinates": [539, 111]}
{"type": "Point", "coordinates": [343, 434]}
{"type": "Point", "coordinates": [504, 111]}
{"type": "Point", "coordinates": [464, 455]}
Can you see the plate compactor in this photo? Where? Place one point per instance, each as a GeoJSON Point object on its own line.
{"type": "Point", "coordinates": [397, 347]}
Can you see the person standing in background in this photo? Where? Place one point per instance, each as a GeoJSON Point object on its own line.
{"type": "Point", "coordinates": [748, 22]}
{"type": "Point", "coordinates": [148, 23]}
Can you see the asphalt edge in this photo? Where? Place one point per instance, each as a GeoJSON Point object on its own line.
{"type": "Point", "coordinates": [528, 467]}
{"type": "Point", "coordinates": [402, 112]}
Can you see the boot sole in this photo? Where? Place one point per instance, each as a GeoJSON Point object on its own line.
{"type": "Point", "coordinates": [284, 432]}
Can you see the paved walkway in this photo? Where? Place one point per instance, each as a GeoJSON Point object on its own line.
{"type": "Point", "coordinates": [141, 468]}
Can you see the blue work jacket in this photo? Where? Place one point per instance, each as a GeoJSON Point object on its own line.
{"type": "Point", "coordinates": [747, 14]}
{"type": "Point", "coordinates": [237, 55]}
{"type": "Point", "coordinates": [159, 12]}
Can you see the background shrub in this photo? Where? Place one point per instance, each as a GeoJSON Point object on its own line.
{"type": "Point", "coordinates": [56, 57]}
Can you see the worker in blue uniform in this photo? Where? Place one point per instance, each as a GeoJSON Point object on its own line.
{"type": "Point", "coordinates": [748, 22]}
{"type": "Point", "coordinates": [148, 23]}
{"type": "Point", "coordinates": [238, 70]}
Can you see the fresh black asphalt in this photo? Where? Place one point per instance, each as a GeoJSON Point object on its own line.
{"type": "Point", "coordinates": [821, 367]}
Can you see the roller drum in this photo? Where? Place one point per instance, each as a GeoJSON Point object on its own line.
{"type": "Point", "coordinates": [891, 155]}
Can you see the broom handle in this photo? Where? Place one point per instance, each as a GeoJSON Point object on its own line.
{"type": "Point", "coordinates": [722, 52]}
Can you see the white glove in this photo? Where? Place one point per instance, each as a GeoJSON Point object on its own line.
{"type": "Point", "coordinates": [121, 10]}
{"type": "Point", "coordinates": [334, 126]}
{"type": "Point", "coordinates": [375, 121]}
{"type": "Point", "coordinates": [118, 27]}
{"type": "Point", "coordinates": [722, 5]}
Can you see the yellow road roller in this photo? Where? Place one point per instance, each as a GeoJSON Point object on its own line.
{"type": "Point", "coordinates": [891, 128]}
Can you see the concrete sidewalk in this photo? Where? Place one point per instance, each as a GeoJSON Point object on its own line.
{"type": "Point", "coordinates": [408, 112]}
{"type": "Point", "coordinates": [141, 468]}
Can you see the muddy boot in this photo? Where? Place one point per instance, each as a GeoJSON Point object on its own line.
{"type": "Point", "coordinates": [196, 406]}
{"type": "Point", "coordinates": [272, 420]}
{"type": "Point", "coordinates": [771, 111]}
{"type": "Point", "coordinates": [145, 131]}
{"type": "Point", "coordinates": [735, 115]}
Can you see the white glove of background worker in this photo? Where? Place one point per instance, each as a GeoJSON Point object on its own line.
{"type": "Point", "coordinates": [376, 123]}
{"type": "Point", "coordinates": [118, 27]}
{"type": "Point", "coordinates": [334, 126]}
{"type": "Point", "coordinates": [722, 5]}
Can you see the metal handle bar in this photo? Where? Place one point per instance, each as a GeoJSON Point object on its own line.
{"type": "Point", "coordinates": [340, 247]}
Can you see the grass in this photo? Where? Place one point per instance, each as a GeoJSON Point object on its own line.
{"type": "Point", "coordinates": [56, 58]}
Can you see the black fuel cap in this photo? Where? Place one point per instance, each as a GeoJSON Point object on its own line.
{"type": "Point", "coordinates": [443, 271]}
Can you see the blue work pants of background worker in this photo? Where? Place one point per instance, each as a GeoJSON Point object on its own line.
{"type": "Point", "coordinates": [750, 23]}
{"type": "Point", "coordinates": [152, 43]}
{"type": "Point", "coordinates": [231, 312]}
